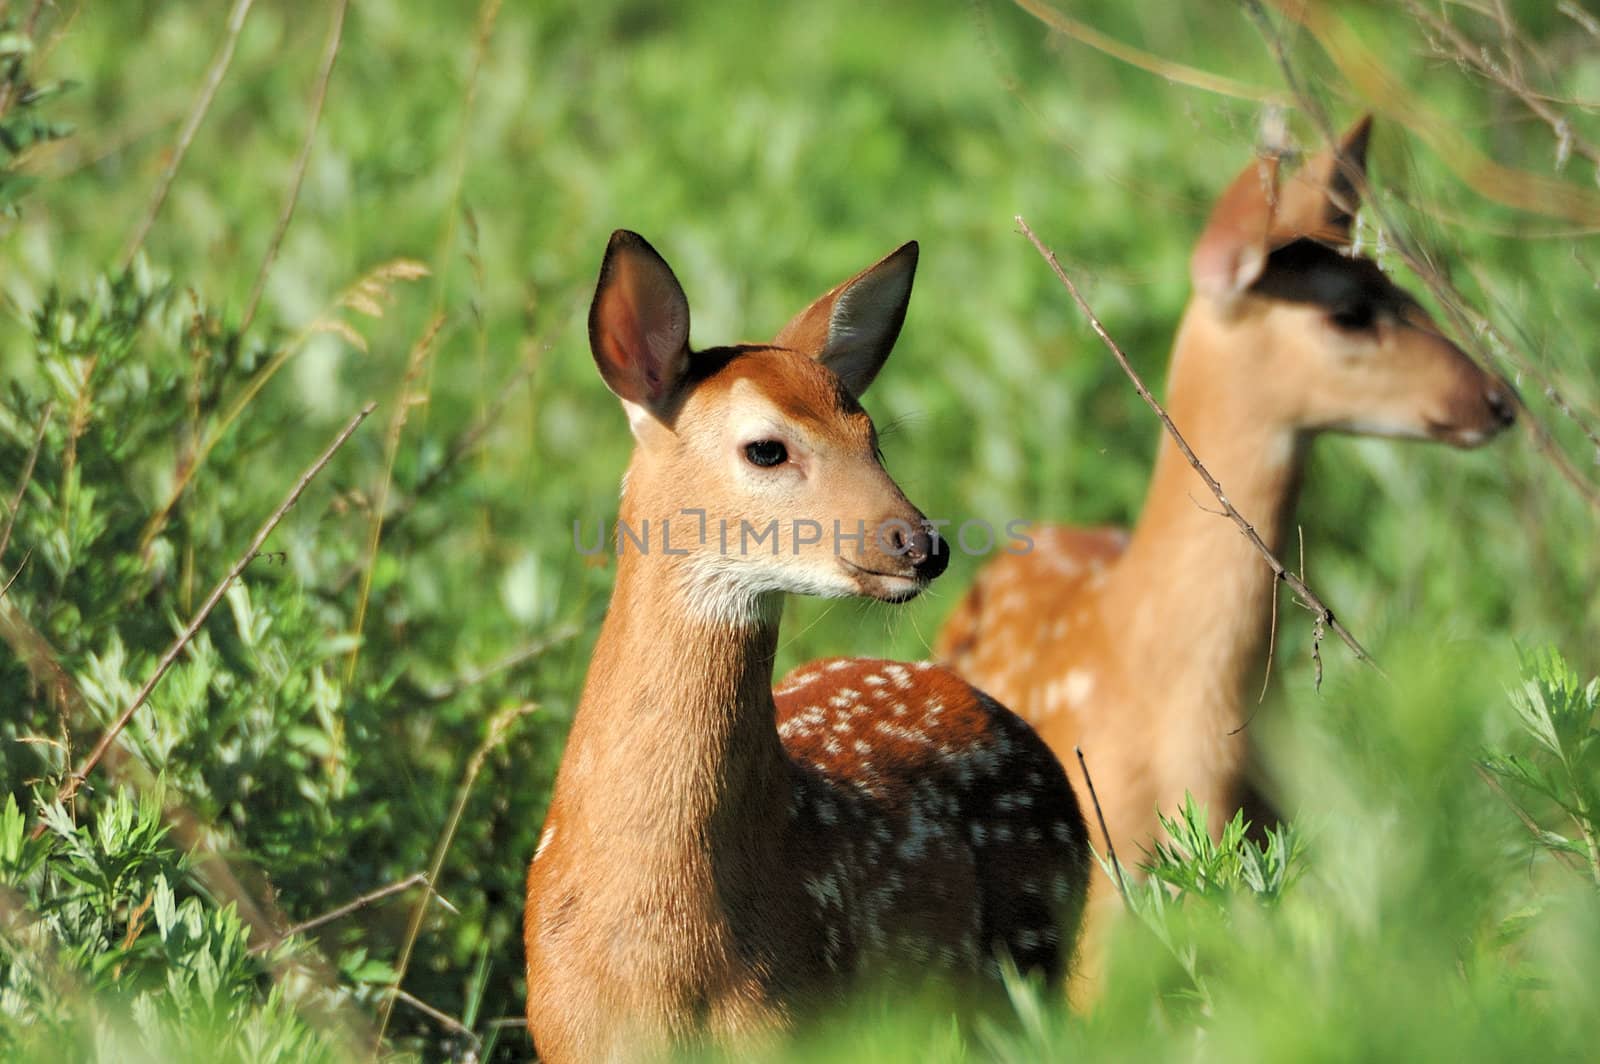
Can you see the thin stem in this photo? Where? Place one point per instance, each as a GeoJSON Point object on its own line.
{"type": "Point", "coordinates": [23, 481]}
{"type": "Point", "coordinates": [354, 905]}
{"type": "Point", "coordinates": [421, 351]}
{"type": "Point", "coordinates": [1164, 68]}
{"type": "Point", "coordinates": [191, 125]}
{"type": "Point", "coordinates": [448, 1021]}
{"type": "Point", "coordinates": [319, 95]}
{"type": "Point", "coordinates": [1105, 832]}
{"type": "Point", "coordinates": [499, 728]}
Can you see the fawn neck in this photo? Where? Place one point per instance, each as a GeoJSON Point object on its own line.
{"type": "Point", "coordinates": [1190, 586]}
{"type": "Point", "coordinates": [675, 750]}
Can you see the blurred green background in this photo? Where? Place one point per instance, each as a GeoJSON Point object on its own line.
{"type": "Point", "coordinates": [768, 152]}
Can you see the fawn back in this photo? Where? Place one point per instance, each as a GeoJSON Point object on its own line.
{"type": "Point", "coordinates": [707, 871]}
{"type": "Point", "coordinates": [1140, 648]}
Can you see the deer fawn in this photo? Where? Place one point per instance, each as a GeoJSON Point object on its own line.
{"type": "Point", "coordinates": [718, 857]}
{"type": "Point", "coordinates": [1138, 648]}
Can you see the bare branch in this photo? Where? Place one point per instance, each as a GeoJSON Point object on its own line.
{"type": "Point", "coordinates": [1474, 56]}
{"type": "Point", "coordinates": [1154, 64]}
{"type": "Point", "coordinates": [20, 566]}
{"type": "Point", "coordinates": [1105, 832]}
{"type": "Point", "coordinates": [421, 351]}
{"type": "Point", "coordinates": [354, 905]}
{"type": "Point", "coordinates": [446, 1020]}
{"type": "Point", "coordinates": [25, 479]}
{"type": "Point", "coordinates": [1568, 859]}
{"type": "Point", "coordinates": [1375, 81]}
{"type": "Point", "coordinates": [499, 729]}
{"type": "Point", "coordinates": [1590, 24]}
{"type": "Point", "coordinates": [76, 780]}
{"type": "Point", "coordinates": [319, 95]}
{"type": "Point", "coordinates": [1306, 595]}
{"type": "Point", "coordinates": [192, 834]}
{"type": "Point", "coordinates": [536, 649]}
{"type": "Point", "coordinates": [197, 114]}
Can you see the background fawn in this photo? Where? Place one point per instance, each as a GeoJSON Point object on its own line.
{"type": "Point", "coordinates": [1139, 648]}
{"type": "Point", "coordinates": [712, 860]}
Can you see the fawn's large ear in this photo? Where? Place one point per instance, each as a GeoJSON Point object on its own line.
{"type": "Point", "coordinates": [1321, 200]}
{"type": "Point", "coordinates": [852, 329]}
{"type": "Point", "coordinates": [639, 327]}
{"type": "Point", "coordinates": [1234, 247]}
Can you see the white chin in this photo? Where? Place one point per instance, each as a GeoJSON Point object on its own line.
{"type": "Point", "coordinates": [887, 588]}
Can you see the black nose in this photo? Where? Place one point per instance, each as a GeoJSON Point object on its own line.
{"type": "Point", "coordinates": [1501, 405]}
{"type": "Point", "coordinates": [928, 552]}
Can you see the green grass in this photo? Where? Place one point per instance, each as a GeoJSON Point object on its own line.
{"type": "Point", "coordinates": [768, 152]}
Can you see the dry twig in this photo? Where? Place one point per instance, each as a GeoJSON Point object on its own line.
{"type": "Point", "coordinates": [499, 729]}
{"type": "Point", "coordinates": [1569, 859]}
{"type": "Point", "coordinates": [27, 476]}
{"type": "Point", "coordinates": [1154, 64]}
{"type": "Point", "coordinates": [1105, 832]}
{"type": "Point", "coordinates": [319, 96]}
{"type": "Point", "coordinates": [195, 836]}
{"type": "Point", "coordinates": [421, 351]}
{"type": "Point", "coordinates": [20, 566]}
{"type": "Point", "coordinates": [446, 1020]}
{"type": "Point", "coordinates": [197, 114]}
{"type": "Point", "coordinates": [353, 905]}
{"type": "Point", "coordinates": [1508, 77]}
{"type": "Point", "coordinates": [522, 655]}
{"type": "Point", "coordinates": [368, 295]}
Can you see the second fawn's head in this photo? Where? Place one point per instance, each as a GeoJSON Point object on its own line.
{"type": "Point", "coordinates": [1321, 337]}
{"type": "Point", "coordinates": [759, 456]}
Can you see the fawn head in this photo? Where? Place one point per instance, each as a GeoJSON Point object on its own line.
{"type": "Point", "coordinates": [759, 456]}
{"type": "Point", "coordinates": [1322, 336]}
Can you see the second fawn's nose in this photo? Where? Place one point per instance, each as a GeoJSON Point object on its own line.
{"type": "Point", "coordinates": [1501, 405]}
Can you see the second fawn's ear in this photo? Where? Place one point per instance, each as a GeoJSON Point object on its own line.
{"type": "Point", "coordinates": [639, 327]}
{"type": "Point", "coordinates": [1234, 247]}
{"type": "Point", "coordinates": [852, 328]}
{"type": "Point", "coordinates": [1321, 200]}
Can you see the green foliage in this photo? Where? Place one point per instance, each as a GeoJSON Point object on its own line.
{"type": "Point", "coordinates": [768, 152]}
{"type": "Point", "coordinates": [108, 947]}
{"type": "Point", "coordinates": [1217, 875]}
{"type": "Point", "coordinates": [1558, 712]}
{"type": "Point", "coordinates": [1192, 863]}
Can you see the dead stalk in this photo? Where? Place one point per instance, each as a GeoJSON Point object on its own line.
{"type": "Point", "coordinates": [191, 125]}
{"type": "Point", "coordinates": [339, 912]}
{"type": "Point", "coordinates": [319, 95]}
{"type": "Point", "coordinates": [25, 479]}
{"type": "Point", "coordinates": [421, 351]}
{"type": "Point", "coordinates": [1105, 832]}
{"type": "Point", "coordinates": [499, 729]}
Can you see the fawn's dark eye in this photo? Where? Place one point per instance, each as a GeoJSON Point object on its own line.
{"type": "Point", "coordinates": [766, 453]}
{"type": "Point", "coordinates": [1354, 317]}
